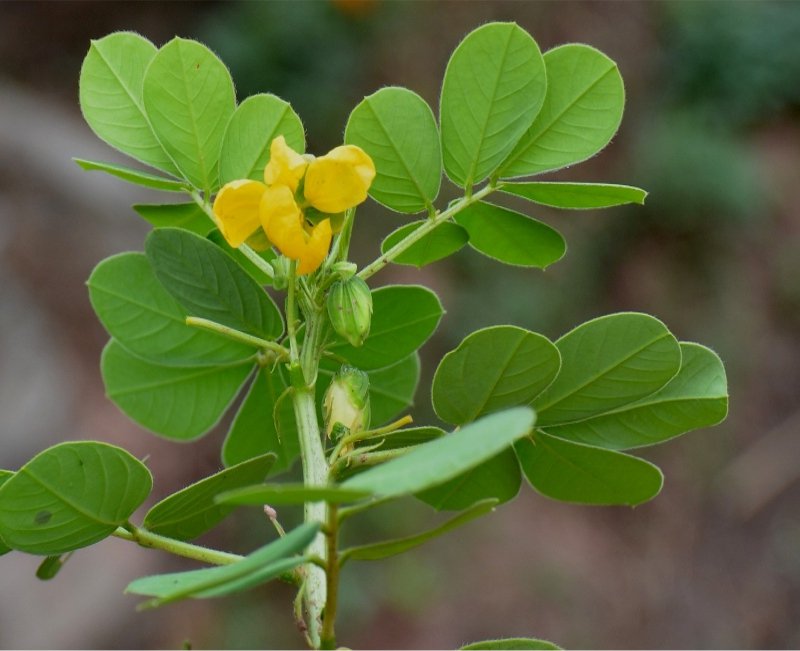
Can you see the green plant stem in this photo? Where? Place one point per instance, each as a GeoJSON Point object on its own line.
{"type": "Point", "coordinates": [328, 637]}
{"type": "Point", "coordinates": [291, 311]}
{"type": "Point", "coordinates": [236, 335]}
{"type": "Point", "coordinates": [151, 540]}
{"type": "Point", "coordinates": [470, 198]}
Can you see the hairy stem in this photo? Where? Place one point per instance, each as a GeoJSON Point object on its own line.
{"type": "Point", "coordinates": [151, 540]}
{"type": "Point", "coordinates": [380, 262]}
{"type": "Point", "coordinates": [328, 640]}
{"type": "Point", "coordinates": [236, 335]}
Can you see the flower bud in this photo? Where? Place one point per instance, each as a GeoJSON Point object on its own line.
{"type": "Point", "coordinates": [350, 309]}
{"type": "Point", "coordinates": [346, 403]}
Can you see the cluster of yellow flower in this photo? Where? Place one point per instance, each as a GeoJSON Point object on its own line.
{"type": "Point", "coordinates": [294, 183]}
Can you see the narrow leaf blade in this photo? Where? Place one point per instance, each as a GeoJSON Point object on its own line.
{"type": "Point", "coordinates": [282, 494]}
{"type": "Point", "coordinates": [131, 175]}
{"type": "Point", "coordinates": [435, 462]}
{"type": "Point", "coordinates": [191, 512]}
{"type": "Point", "coordinates": [576, 196]}
{"type": "Point", "coordinates": [381, 550]}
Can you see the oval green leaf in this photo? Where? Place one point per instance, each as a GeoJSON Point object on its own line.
{"type": "Point", "coordinates": [139, 313]}
{"type": "Point", "coordinates": [493, 88]}
{"type": "Point", "coordinates": [607, 363]}
{"type": "Point", "coordinates": [511, 237]}
{"type": "Point", "coordinates": [209, 284]}
{"type": "Point", "coordinates": [283, 494]}
{"type": "Point", "coordinates": [188, 97]}
{"type": "Point", "coordinates": [442, 241]}
{"type": "Point", "coordinates": [180, 403]}
{"type": "Point", "coordinates": [137, 177]}
{"type": "Point", "coordinates": [110, 91]}
{"type": "Point", "coordinates": [441, 459]}
{"type": "Point", "coordinates": [396, 127]}
{"type": "Point", "coordinates": [576, 196]}
{"type": "Point", "coordinates": [253, 431]}
{"type": "Point", "coordinates": [242, 260]}
{"type": "Point", "coordinates": [696, 397]}
{"type": "Point", "coordinates": [498, 479]}
{"type": "Point", "coordinates": [188, 216]}
{"type": "Point", "coordinates": [492, 369]}
{"type": "Point", "coordinates": [581, 112]}
{"type": "Point", "coordinates": [254, 124]}
{"type": "Point", "coordinates": [69, 496]}
{"type": "Point", "coordinates": [262, 565]}
{"type": "Point", "coordinates": [403, 318]}
{"type": "Point", "coordinates": [191, 512]}
{"type": "Point", "coordinates": [581, 474]}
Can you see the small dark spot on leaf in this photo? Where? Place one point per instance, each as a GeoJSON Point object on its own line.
{"type": "Point", "coordinates": [42, 517]}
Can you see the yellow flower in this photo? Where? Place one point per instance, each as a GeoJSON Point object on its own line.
{"type": "Point", "coordinates": [331, 184]}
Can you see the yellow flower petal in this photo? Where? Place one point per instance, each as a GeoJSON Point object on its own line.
{"type": "Point", "coordinates": [285, 226]}
{"type": "Point", "coordinates": [237, 210]}
{"type": "Point", "coordinates": [319, 242]}
{"type": "Point", "coordinates": [283, 221]}
{"type": "Point", "coordinates": [285, 166]}
{"type": "Point", "coordinates": [339, 180]}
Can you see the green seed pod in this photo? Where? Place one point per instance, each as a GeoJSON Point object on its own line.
{"type": "Point", "coordinates": [346, 403]}
{"type": "Point", "coordinates": [350, 309]}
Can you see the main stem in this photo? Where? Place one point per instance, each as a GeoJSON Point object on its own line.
{"type": "Point", "coordinates": [315, 466]}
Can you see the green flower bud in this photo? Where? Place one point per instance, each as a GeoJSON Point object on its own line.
{"type": "Point", "coordinates": [346, 403]}
{"type": "Point", "coordinates": [350, 309]}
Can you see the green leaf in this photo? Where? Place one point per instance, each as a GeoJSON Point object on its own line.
{"type": "Point", "coordinates": [191, 512]}
{"type": "Point", "coordinates": [493, 88]}
{"type": "Point", "coordinates": [512, 644]}
{"type": "Point", "coordinates": [408, 437]}
{"type": "Point", "coordinates": [137, 177]}
{"type": "Point", "coordinates": [576, 196]}
{"type": "Point", "coordinates": [581, 112]}
{"type": "Point", "coordinates": [396, 127]}
{"type": "Point", "coordinates": [511, 237]}
{"type": "Point", "coordinates": [241, 259]}
{"type": "Point", "coordinates": [179, 403]}
{"type": "Point", "coordinates": [403, 317]}
{"type": "Point", "coordinates": [498, 479]}
{"type": "Point", "coordinates": [381, 550]}
{"type": "Point", "coordinates": [69, 496]}
{"type": "Point", "coordinates": [493, 368]}
{"type": "Point", "coordinates": [437, 461]}
{"type": "Point", "coordinates": [282, 494]}
{"type": "Point", "coordinates": [5, 475]}
{"type": "Point", "coordinates": [209, 284]}
{"type": "Point", "coordinates": [139, 313]}
{"type": "Point", "coordinates": [696, 397]}
{"type": "Point", "coordinates": [607, 363]}
{"type": "Point", "coordinates": [179, 215]}
{"type": "Point", "coordinates": [51, 566]}
{"type": "Point", "coordinates": [110, 92]}
{"type": "Point", "coordinates": [391, 389]}
{"type": "Point", "coordinates": [442, 241]}
{"type": "Point", "coordinates": [262, 565]}
{"type": "Point", "coordinates": [253, 431]}
{"type": "Point", "coordinates": [254, 124]}
{"type": "Point", "coordinates": [188, 97]}
{"type": "Point", "coordinates": [581, 474]}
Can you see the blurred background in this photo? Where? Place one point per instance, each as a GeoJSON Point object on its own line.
{"type": "Point", "coordinates": [712, 130]}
